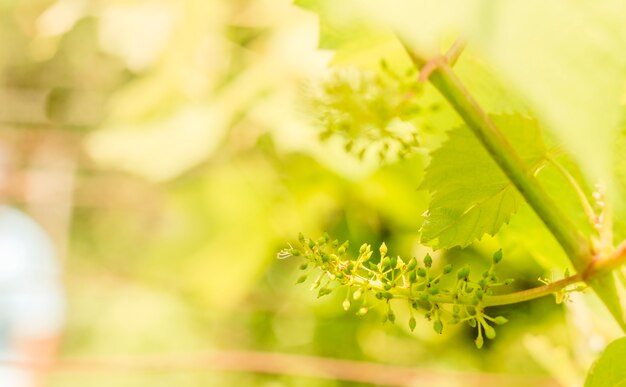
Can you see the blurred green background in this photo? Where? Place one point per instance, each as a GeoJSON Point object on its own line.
{"type": "Point", "coordinates": [175, 154]}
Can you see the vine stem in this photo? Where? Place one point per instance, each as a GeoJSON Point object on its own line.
{"type": "Point", "coordinates": [578, 248]}
{"type": "Point", "coordinates": [531, 294]}
{"type": "Point", "coordinates": [440, 74]}
{"type": "Point", "coordinates": [599, 268]}
{"type": "Point", "coordinates": [504, 299]}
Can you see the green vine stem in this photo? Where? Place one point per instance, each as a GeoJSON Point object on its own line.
{"type": "Point", "coordinates": [598, 269]}
{"type": "Point", "coordinates": [449, 85]}
{"type": "Point", "coordinates": [578, 248]}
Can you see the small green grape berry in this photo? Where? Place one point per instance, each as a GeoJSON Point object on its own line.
{"type": "Point", "coordinates": [463, 273]}
{"type": "Point", "coordinates": [301, 238]}
{"type": "Point", "coordinates": [486, 273]}
{"type": "Point", "coordinates": [304, 266]}
{"type": "Point", "coordinates": [387, 286]}
{"type": "Point", "coordinates": [424, 296]}
{"type": "Point", "coordinates": [428, 261]}
{"type": "Point", "coordinates": [341, 250]}
{"type": "Point", "coordinates": [301, 279]}
{"type": "Point", "coordinates": [385, 262]}
{"type": "Point", "coordinates": [362, 311]}
{"type": "Point", "coordinates": [383, 250]}
{"type": "Point", "coordinates": [479, 294]}
{"type": "Point", "coordinates": [346, 304]}
{"type": "Point", "coordinates": [497, 256]}
{"type": "Point", "coordinates": [472, 323]}
{"type": "Point", "coordinates": [500, 320]}
{"type": "Point", "coordinates": [387, 295]}
{"type": "Point", "coordinates": [363, 248]}
{"type": "Point", "coordinates": [433, 290]}
{"type": "Point", "coordinates": [311, 243]}
{"type": "Point", "coordinates": [357, 294]}
{"type": "Point", "coordinates": [379, 295]}
{"type": "Point", "coordinates": [508, 281]}
{"type": "Point", "coordinates": [393, 262]}
{"type": "Point", "coordinates": [413, 276]}
{"type": "Point", "coordinates": [391, 316]}
{"type": "Point", "coordinates": [324, 292]}
{"type": "Point", "coordinates": [421, 272]}
{"type": "Point", "coordinates": [438, 326]}
{"type": "Point", "coordinates": [316, 284]}
{"type": "Point", "coordinates": [412, 264]}
{"type": "Point", "coordinates": [412, 324]}
{"type": "Point", "coordinates": [490, 333]}
{"type": "Point", "coordinates": [447, 269]}
{"type": "Point", "coordinates": [479, 342]}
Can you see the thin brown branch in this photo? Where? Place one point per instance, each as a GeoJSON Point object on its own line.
{"type": "Point", "coordinates": [285, 364]}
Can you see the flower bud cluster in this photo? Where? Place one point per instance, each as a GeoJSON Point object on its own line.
{"type": "Point", "coordinates": [414, 282]}
{"type": "Point", "coordinates": [371, 110]}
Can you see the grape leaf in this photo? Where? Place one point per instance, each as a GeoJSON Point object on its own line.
{"type": "Point", "coordinates": [609, 369]}
{"type": "Point", "coordinates": [471, 196]}
{"type": "Point", "coordinates": [569, 66]}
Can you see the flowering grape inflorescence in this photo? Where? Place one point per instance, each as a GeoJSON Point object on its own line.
{"type": "Point", "coordinates": [393, 278]}
{"type": "Point", "coordinates": [372, 111]}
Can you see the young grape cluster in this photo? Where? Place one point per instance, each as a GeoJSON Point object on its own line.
{"type": "Point", "coordinates": [372, 111]}
{"type": "Point", "coordinates": [393, 278]}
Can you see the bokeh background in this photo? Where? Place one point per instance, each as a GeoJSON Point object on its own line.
{"type": "Point", "coordinates": [169, 149]}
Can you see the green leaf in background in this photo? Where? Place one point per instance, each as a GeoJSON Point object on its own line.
{"type": "Point", "coordinates": [337, 29]}
{"type": "Point", "coordinates": [609, 369]}
{"type": "Point", "coordinates": [356, 41]}
{"type": "Point", "coordinates": [471, 196]}
{"type": "Point", "coordinates": [566, 58]}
